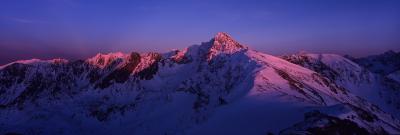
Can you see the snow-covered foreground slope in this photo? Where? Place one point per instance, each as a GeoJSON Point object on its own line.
{"type": "Point", "coordinates": [218, 87]}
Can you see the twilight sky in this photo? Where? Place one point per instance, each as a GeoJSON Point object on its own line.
{"type": "Point", "coordinates": [81, 28]}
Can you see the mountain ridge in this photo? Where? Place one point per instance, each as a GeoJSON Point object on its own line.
{"type": "Point", "coordinates": [189, 91]}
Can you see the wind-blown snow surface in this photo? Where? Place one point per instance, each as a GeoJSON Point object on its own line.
{"type": "Point", "coordinates": [218, 87]}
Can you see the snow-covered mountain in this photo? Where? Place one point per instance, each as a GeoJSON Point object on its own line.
{"type": "Point", "coordinates": [217, 87]}
{"type": "Point", "coordinates": [385, 63]}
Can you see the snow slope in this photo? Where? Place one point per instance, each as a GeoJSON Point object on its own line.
{"type": "Point", "coordinates": [395, 76]}
{"type": "Point", "coordinates": [373, 87]}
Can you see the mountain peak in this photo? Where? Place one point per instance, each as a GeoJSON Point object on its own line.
{"type": "Point", "coordinates": [390, 52]}
{"type": "Point", "coordinates": [103, 60]}
{"type": "Point", "coordinates": [223, 41]}
{"type": "Point", "coordinates": [222, 35]}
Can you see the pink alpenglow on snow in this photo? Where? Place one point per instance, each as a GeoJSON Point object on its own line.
{"type": "Point", "coordinates": [217, 87]}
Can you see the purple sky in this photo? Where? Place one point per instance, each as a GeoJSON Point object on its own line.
{"type": "Point", "coordinates": [78, 29]}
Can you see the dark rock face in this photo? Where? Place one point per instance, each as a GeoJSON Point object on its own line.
{"type": "Point", "coordinates": [14, 73]}
{"type": "Point", "coordinates": [317, 123]}
{"type": "Point", "coordinates": [340, 70]}
{"type": "Point", "coordinates": [34, 87]}
{"type": "Point", "coordinates": [364, 114]}
{"type": "Point", "coordinates": [316, 66]}
{"type": "Point", "coordinates": [302, 87]}
{"type": "Point", "coordinates": [122, 74]}
{"type": "Point", "coordinates": [336, 126]}
{"type": "Point", "coordinates": [150, 71]}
